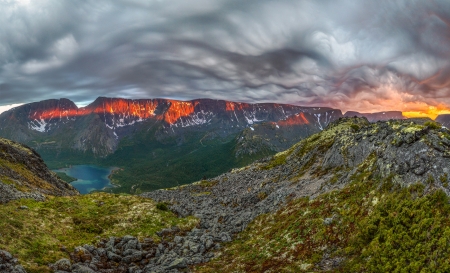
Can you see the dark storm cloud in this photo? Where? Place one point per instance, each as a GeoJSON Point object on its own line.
{"type": "Point", "coordinates": [363, 55]}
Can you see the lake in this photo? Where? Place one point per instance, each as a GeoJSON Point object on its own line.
{"type": "Point", "coordinates": [90, 177]}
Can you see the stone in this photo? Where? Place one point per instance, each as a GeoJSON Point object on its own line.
{"type": "Point", "coordinates": [63, 264]}
{"type": "Point", "coordinates": [178, 263]}
{"type": "Point", "coordinates": [328, 221]}
{"type": "Point", "coordinates": [81, 269]}
{"type": "Point", "coordinates": [114, 257]}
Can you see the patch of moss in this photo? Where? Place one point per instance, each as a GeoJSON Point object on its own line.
{"type": "Point", "coordinates": [278, 159]}
{"type": "Point", "coordinates": [430, 179]}
{"type": "Point", "coordinates": [355, 127]}
{"type": "Point", "coordinates": [262, 195]}
{"type": "Point", "coordinates": [201, 193]}
{"type": "Point", "coordinates": [206, 183]}
{"type": "Point", "coordinates": [444, 179]}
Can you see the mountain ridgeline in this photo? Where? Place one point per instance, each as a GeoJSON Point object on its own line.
{"type": "Point", "coordinates": [158, 142]}
{"type": "Point", "coordinates": [373, 117]}
{"type": "Point", "coordinates": [23, 174]}
{"type": "Point", "coordinates": [100, 125]}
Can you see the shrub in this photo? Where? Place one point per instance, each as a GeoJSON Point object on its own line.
{"type": "Point", "coordinates": [162, 206]}
{"type": "Point", "coordinates": [355, 127]}
{"type": "Point", "coordinates": [433, 125]}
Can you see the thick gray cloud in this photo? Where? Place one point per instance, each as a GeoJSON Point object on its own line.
{"type": "Point", "coordinates": [360, 55]}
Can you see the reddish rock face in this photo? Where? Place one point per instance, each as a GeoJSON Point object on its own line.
{"type": "Point", "coordinates": [101, 125]}
{"type": "Point", "coordinates": [52, 109]}
{"type": "Point", "coordinates": [298, 119]}
{"type": "Point", "coordinates": [117, 112]}
{"type": "Point", "coordinates": [178, 109]}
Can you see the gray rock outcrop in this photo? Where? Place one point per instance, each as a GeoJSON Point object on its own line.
{"type": "Point", "coordinates": [9, 264]}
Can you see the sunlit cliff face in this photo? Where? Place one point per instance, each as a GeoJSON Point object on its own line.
{"type": "Point", "coordinates": [124, 111]}
{"type": "Point", "coordinates": [140, 109]}
{"type": "Point", "coordinates": [294, 120]}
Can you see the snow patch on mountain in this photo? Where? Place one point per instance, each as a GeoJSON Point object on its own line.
{"type": "Point", "coordinates": [38, 125]}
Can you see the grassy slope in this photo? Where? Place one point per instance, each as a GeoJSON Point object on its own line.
{"type": "Point", "coordinates": [37, 234]}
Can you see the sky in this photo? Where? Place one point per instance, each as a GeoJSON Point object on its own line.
{"type": "Point", "coordinates": [367, 56]}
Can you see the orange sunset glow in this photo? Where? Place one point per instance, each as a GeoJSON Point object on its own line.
{"type": "Point", "coordinates": [432, 112]}
{"type": "Point", "coordinates": [391, 99]}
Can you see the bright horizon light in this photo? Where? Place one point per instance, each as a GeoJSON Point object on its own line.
{"type": "Point", "coordinates": [7, 107]}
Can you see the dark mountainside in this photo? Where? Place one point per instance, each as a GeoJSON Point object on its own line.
{"type": "Point", "coordinates": [378, 116]}
{"type": "Point", "coordinates": [23, 174]}
{"type": "Point", "coordinates": [160, 143]}
{"type": "Point", "coordinates": [357, 197]}
{"type": "Point", "coordinates": [444, 120]}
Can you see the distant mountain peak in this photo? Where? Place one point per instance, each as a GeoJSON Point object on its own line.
{"type": "Point", "coordinates": [376, 116]}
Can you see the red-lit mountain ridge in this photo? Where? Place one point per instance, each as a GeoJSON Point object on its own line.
{"type": "Point", "coordinates": [114, 117]}
{"type": "Point", "coordinates": [198, 135]}
{"type": "Point", "coordinates": [163, 142]}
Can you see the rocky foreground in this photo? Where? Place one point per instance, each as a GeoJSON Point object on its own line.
{"type": "Point", "coordinates": [405, 152]}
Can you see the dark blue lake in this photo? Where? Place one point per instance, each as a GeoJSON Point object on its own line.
{"type": "Point", "coordinates": [89, 177]}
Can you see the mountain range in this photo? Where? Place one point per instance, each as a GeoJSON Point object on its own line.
{"type": "Point", "coordinates": [159, 143]}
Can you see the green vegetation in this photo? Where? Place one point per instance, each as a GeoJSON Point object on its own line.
{"type": "Point", "coordinates": [277, 160]}
{"type": "Point", "coordinates": [355, 127]}
{"type": "Point", "coordinates": [444, 180]}
{"type": "Point", "coordinates": [433, 125]}
{"type": "Point", "coordinates": [37, 233]}
{"type": "Point", "coordinates": [149, 164]}
{"type": "Point", "coordinates": [65, 177]}
{"type": "Point", "coordinates": [162, 206]}
{"type": "Point", "coordinates": [369, 226]}
{"type": "Point", "coordinates": [408, 231]}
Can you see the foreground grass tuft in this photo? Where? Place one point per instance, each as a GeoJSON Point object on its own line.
{"type": "Point", "coordinates": [37, 232]}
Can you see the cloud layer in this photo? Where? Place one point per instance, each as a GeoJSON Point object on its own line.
{"type": "Point", "coordinates": [353, 55]}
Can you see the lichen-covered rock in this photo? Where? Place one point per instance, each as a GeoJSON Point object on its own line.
{"type": "Point", "coordinates": [62, 265]}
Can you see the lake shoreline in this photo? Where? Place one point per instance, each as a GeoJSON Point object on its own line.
{"type": "Point", "coordinates": [90, 178]}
